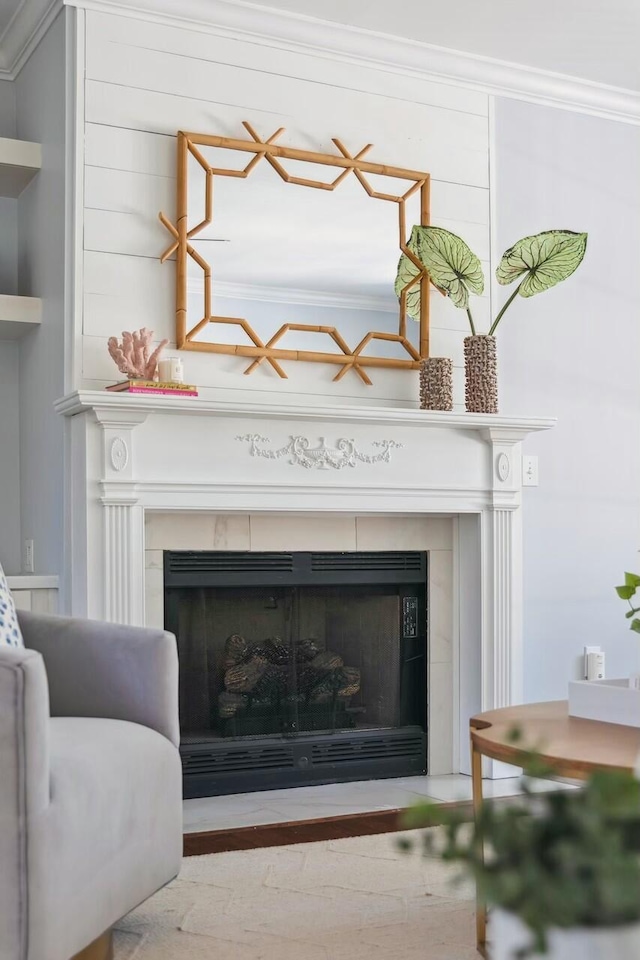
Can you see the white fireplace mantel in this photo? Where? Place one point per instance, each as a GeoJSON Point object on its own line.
{"type": "Point", "coordinates": [82, 401]}
{"type": "Point", "coordinates": [132, 455]}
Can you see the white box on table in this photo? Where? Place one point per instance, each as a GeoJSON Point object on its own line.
{"type": "Point", "coordinates": [611, 701]}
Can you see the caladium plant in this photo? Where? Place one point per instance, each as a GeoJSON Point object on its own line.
{"type": "Point", "coordinates": [539, 262]}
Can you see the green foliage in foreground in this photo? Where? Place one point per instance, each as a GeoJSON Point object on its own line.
{"type": "Point", "coordinates": [556, 860]}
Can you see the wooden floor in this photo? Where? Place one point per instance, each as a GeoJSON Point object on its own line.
{"type": "Point", "coordinates": [100, 949]}
{"type": "Point", "coordinates": [305, 831]}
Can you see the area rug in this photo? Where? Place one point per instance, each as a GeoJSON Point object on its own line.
{"type": "Point", "coordinates": [358, 898]}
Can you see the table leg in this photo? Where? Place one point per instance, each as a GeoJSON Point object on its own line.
{"type": "Point", "coordinates": [481, 910]}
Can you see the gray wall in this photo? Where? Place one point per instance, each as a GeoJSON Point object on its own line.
{"type": "Point", "coordinates": [7, 109]}
{"type": "Point", "coordinates": [574, 352]}
{"type": "Point", "coordinates": [9, 358]}
{"type": "Point", "coordinates": [40, 94]}
{"type": "Point", "coordinates": [8, 206]}
{"type": "Point", "coordinates": [9, 459]}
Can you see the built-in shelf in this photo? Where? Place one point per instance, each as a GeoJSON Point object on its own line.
{"type": "Point", "coordinates": [19, 315]}
{"type": "Point", "coordinates": [20, 160]}
{"type": "Point", "coordinates": [31, 581]}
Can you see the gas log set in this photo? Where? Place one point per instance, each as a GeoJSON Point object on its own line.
{"type": "Point", "coordinates": [298, 686]}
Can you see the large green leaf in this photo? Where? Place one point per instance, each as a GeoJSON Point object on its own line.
{"type": "Point", "coordinates": [407, 271]}
{"type": "Point", "coordinates": [543, 260]}
{"type": "Point", "coordinates": [452, 265]}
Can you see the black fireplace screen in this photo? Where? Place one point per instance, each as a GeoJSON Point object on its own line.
{"type": "Point", "coordinates": [298, 647]}
{"type": "Point", "coordinates": [285, 661]}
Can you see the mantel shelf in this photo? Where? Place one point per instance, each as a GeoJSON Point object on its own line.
{"type": "Point", "coordinates": [121, 404]}
{"type": "Point", "coordinates": [18, 316]}
{"type": "Point", "coordinates": [20, 160]}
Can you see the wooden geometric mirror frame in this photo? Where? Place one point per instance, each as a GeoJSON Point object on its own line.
{"type": "Point", "coordinates": [274, 351]}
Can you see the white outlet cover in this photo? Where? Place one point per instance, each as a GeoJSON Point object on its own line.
{"type": "Point", "coordinates": [28, 562]}
{"type": "Point", "coordinates": [529, 471]}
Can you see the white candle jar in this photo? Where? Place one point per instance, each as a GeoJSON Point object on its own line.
{"type": "Point", "coordinates": [171, 370]}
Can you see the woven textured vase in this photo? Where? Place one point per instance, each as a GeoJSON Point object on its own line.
{"type": "Point", "coordinates": [481, 374]}
{"type": "Point", "coordinates": [436, 384]}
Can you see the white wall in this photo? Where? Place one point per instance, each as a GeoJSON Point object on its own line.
{"type": "Point", "coordinates": [573, 352]}
{"type": "Point", "coordinates": [145, 81]}
{"type": "Point", "coordinates": [40, 93]}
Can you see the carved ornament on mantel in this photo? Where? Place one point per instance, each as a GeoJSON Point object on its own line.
{"type": "Point", "coordinates": [302, 454]}
{"type": "Point", "coordinates": [119, 454]}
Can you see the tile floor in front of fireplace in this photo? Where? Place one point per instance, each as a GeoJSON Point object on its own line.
{"type": "Point", "coordinates": [335, 799]}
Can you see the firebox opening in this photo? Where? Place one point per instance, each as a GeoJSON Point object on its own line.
{"type": "Point", "coordinates": [298, 668]}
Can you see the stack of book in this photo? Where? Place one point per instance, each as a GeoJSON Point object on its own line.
{"type": "Point", "coordinates": [159, 387]}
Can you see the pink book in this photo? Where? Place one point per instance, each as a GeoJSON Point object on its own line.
{"type": "Point", "coordinates": [163, 393]}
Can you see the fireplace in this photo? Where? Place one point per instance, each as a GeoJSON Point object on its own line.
{"type": "Point", "coordinates": [298, 668]}
{"type": "Point", "coordinates": [132, 501]}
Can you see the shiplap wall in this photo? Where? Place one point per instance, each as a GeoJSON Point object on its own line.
{"type": "Point", "coordinates": [144, 81]}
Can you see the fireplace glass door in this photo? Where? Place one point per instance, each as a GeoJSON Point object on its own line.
{"type": "Point", "coordinates": [309, 669]}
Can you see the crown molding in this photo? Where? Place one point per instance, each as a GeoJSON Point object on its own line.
{"type": "Point", "coordinates": [242, 20]}
{"type": "Point", "coordinates": [24, 32]}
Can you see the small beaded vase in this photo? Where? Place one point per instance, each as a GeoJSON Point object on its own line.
{"type": "Point", "coordinates": [436, 384]}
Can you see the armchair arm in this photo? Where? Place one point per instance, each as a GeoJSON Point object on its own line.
{"type": "Point", "coordinates": [24, 784]}
{"type": "Point", "coordinates": [98, 669]}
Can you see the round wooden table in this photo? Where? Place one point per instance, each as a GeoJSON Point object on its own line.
{"type": "Point", "coordinates": [570, 747]}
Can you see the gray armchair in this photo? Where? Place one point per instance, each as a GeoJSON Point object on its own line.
{"type": "Point", "coordinates": [90, 781]}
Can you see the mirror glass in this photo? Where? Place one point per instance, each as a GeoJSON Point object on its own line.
{"type": "Point", "coordinates": [273, 243]}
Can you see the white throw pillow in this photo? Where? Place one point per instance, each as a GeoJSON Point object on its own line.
{"type": "Point", "coordinates": [10, 634]}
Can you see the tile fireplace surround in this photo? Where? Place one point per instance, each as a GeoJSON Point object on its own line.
{"type": "Point", "coordinates": [154, 473]}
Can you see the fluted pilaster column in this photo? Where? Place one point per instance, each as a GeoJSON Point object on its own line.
{"type": "Point", "coordinates": [503, 633]}
{"type": "Point", "coordinates": [123, 519]}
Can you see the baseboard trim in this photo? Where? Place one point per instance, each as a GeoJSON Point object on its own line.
{"type": "Point", "coordinates": [308, 831]}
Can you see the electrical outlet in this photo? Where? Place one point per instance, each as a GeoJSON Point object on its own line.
{"type": "Point", "coordinates": [529, 471]}
{"type": "Point", "coordinates": [28, 562]}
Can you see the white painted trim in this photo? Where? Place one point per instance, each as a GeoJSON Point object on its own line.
{"type": "Point", "coordinates": [24, 32]}
{"type": "Point", "coordinates": [74, 258]}
{"type": "Point", "coordinates": [494, 290]}
{"type": "Point", "coordinates": [455, 644]}
{"type": "Point", "coordinates": [74, 196]}
{"type": "Point", "coordinates": [292, 31]}
{"type": "Point", "coordinates": [453, 495]}
{"type": "Point", "coordinates": [319, 298]}
{"type": "Point", "coordinates": [493, 426]}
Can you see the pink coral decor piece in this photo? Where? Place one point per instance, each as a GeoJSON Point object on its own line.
{"type": "Point", "coordinates": [133, 356]}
